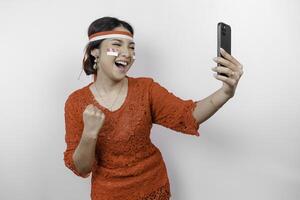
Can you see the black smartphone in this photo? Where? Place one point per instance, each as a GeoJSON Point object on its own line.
{"type": "Point", "coordinates": [224, 40]}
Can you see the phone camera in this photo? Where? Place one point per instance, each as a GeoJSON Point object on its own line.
{"type": "Point", "coordinates": [223, 30]}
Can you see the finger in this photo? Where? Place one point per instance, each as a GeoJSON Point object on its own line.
{"type": "Point", "coordinates": [225, 70]}
{"type": "Point", "coordinates": [230, 57]}
{"type": "Point", "coordinates": [100, 112]}
{"type": "Point", "coordinates": [89, 109]}
{"type": "Point", "coordinates": [89, 106]}
{"type": "Point", "coordinates": [225, 62]}
{"type": "Point", "coordinates": [239, 73]}
{"type": "Point", "coordinates": [225, 79]}
{"type": "Point", "coordinates": [97, 114]}
{"type": "Point", "coordinates": [235, 75]}
{"type": "Point", "coordinates": [94, 110]}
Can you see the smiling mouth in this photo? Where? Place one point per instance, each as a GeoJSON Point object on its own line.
{"type": "Point", "coordinates": [121, 63]}
{"type": "Point", "coordinates": [122, 66]}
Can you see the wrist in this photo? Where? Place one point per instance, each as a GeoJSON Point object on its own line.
{"type": "Point", "coordinates": [219, 98]}
{"type": "Point", "coordinates": [226, 95]}
{"type": "Point", "coordinates": [88, 135]}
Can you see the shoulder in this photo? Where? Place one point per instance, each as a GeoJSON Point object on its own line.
{"type": "Point", "coordinates": [150, 85]}
{"type": "Point", "coordinates": [77, 97]}
{"type": "Point", "coordinates": [143, 80]}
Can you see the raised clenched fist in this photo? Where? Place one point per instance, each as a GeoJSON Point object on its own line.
{"type": "Point", "coordinates": [93, 120]}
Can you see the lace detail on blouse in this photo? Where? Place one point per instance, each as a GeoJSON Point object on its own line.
{"type": "Point", "coordinates": [128, 166]}
{"type": "Point", "coordinates": [171, 111]}
{"type": "Point", "coordinates": [161, 193]}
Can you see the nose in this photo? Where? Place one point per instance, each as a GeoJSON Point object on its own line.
{"type": "Point", "coordinates": [124, 52]}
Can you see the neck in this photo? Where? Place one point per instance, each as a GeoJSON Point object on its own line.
{"type": "Point", "coordinates": [107, 85]}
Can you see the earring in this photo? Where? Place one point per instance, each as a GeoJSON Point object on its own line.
{"type": "Point", "coordinates": [95, 63]}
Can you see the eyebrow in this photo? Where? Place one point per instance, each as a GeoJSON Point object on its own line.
{"type": "Point", "coordinates": [122, 41]}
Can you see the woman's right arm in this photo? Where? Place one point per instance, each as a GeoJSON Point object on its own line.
{"type": "Point", "coordinates": [81, 136]}
{"type": "Point", "coordinates": [84, 154]}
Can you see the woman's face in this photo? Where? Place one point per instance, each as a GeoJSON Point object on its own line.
{"type": "Point", "coordinates": [107, 63]}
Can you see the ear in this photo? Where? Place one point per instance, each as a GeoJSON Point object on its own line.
{"type": "Point", "coordinates": [95, 52]}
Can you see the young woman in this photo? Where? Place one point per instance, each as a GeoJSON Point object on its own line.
{"type": "Point", "coordinates": [108, 122]}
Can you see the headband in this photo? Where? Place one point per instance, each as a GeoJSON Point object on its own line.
{"type": "Point", "coordinates": [110, 34]}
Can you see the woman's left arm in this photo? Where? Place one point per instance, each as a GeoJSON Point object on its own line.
{"type": "Point", "coordinates": [210, 105]}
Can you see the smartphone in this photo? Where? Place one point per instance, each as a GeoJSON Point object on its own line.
{"type": "Point", "coordinates": [224, 40]}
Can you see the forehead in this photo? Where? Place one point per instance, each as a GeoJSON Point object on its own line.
{"type": "Point", "coordinates": [121, 40]}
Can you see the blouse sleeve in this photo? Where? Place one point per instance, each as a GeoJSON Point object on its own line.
{"type": "Point", "coordinates": [171, 111]}
{"type": "Point", "coordinates": [73, 131]}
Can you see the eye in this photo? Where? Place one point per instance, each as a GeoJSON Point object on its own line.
{"type": "Point", "coordinates": [132, 48]}
{"type": "Point", "coordinates": [117, 44]}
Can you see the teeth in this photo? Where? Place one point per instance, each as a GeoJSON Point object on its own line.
{"type": "Point", "coordinates": [122, 62]}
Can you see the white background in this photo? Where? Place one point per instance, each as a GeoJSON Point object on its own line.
{"type": "Point", "coordinates": [248, 150]}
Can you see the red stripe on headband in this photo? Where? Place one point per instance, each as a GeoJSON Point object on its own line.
{"type": "Point", "coordinates": [109, 32]}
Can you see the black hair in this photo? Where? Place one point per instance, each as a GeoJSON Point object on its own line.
{"type": "Point", "coordinates": [101, 24]}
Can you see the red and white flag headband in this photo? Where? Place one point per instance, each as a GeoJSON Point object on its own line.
{"type": "Point", "coordinates": [110, 34]}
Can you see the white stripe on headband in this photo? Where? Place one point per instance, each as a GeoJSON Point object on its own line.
{"type": "Point", "coordinates": [100, 37]}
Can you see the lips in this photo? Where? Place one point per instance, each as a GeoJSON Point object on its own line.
{"type": "Point", "coordinates": [121, 62]}
{"type": "Point", "coordinates": [122, 65]}
{"type": "Point", "coordinates": [121, 68]}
